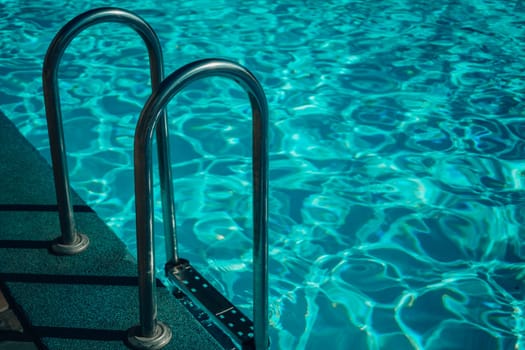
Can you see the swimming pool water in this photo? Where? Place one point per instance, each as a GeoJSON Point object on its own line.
{"type": "Point", "coordinates": [396, 155]}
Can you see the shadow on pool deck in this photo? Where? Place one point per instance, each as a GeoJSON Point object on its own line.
{"type": "Point", "coordinates": [86, 301]}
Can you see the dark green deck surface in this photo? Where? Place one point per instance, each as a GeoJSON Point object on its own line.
{"type": "Point", "coordinates": [79, 302]}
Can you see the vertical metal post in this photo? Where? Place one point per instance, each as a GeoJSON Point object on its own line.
{"type": "Point", "coordinates": [149, 117]}
{"type": "Point", "coordinates": [72, 242]}
{"type": "Point", "coordinates": [260, 226]}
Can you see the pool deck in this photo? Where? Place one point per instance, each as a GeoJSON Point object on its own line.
{"type": "Point", "coordinates": [87, 301]}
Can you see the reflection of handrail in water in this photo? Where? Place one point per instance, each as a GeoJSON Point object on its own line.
{"type": "Point", "coordinates": [174, 83]}
{"type": "Point", "coordinates": [72, 242]}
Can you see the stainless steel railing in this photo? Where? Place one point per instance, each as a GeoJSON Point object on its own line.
{"type": "Point", "coordinates": [149, 117]}
{"type": "Point", "coordinates": [71, 241]}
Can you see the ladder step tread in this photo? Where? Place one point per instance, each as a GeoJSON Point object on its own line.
{"type": "Point", "coordinates": [187, 279]}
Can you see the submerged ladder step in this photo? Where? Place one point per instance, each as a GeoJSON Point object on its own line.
{"type": "Point", "coordinates": [230, 319]}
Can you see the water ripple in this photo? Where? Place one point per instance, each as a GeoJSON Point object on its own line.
{"type": "Point", "coordinates": [396, 156]}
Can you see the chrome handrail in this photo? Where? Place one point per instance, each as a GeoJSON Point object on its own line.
{"type": "Point", "coordinates": [71, 241]}
{"type": "Point", "coordinates": [149, 117]}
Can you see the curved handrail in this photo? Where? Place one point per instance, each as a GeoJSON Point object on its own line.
{"type": "Point", "coordinates": [72, 242]}
{"type": "Point", "coordinates": [149, 117]}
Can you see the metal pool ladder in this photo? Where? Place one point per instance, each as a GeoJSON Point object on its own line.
{"type": "Point", "coordinates": [151, 333]}
{"type": "Point", "coordinates": [71, 241]}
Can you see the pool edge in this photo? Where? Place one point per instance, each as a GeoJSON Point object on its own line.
{"type": "Point", "coordinates": [83, 302]}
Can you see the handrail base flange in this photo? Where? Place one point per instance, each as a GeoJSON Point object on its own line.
{"type": "Point", "coordinates": [160, 339]}
{"type": "Point", "coordinates": [80, 244]}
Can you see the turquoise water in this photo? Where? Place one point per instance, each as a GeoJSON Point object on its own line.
{"type": "Point", "coordinates": [396, 165]}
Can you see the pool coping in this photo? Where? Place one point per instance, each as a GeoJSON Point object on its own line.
{"type": "Point", "coordinates": [87, 301]}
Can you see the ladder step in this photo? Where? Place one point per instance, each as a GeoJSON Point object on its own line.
{"type": "Point", "coordinates": [230, 319]}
